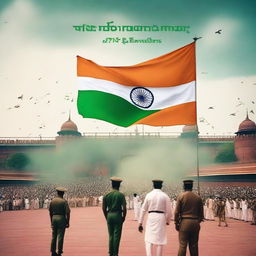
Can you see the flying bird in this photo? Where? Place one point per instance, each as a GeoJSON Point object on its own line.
{"type": "Point", "coordinates": [196, 38]}
{"type": "Point", "coordinates": [240, 104]}
{"type": "Point", "coordinates": [39, 78]}
{"type": "Point", "coordinates": [20, 97]}
{"type": "Point", "coordinates": [211, 107]}
{"type": "Point", "coordinates": [232, 114]}
{"type": "Point", "coordinates": [253, 102]}
{"type": "Point", "coordinates": [252, 111]}
{"type": "Point", "coordinates": [218, 31]}
{"type": "Point", "coordinates": [30, 98]}
{"type": "Point", "coordinates": [17, 106]}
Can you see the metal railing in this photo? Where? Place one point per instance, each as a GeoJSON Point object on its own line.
{"type": "Point", "coordinates": [171, 135]}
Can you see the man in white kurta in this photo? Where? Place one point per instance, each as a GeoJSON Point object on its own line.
{"type": "Point", "coordinates": [136, 206]}
{"type": "Point", "coordinates": [244, 206]}
{"type": "Point", "coordinates": [158, 206]}
{"type": "Point", "coordinates": [209, 210]}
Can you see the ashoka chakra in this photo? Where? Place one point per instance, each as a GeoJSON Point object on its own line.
{"type": "Point", "coordinates": [142, 97]}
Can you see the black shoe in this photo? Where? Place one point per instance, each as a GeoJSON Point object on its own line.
{"type": "Point", "coordinates": [54, 254]}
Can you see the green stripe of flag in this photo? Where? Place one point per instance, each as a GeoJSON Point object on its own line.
{"type": "Point", "coordinates": [110, 108]}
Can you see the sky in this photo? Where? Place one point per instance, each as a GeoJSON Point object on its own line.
{"type": "Point", "coordinates": [39, 47]}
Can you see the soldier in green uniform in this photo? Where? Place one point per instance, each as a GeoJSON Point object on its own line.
{"type": "Point", "coordinates": [60, 216]}
{"type": "Point", "coordinates": [114, 209]}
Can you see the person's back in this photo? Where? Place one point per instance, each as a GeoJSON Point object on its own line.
{"type": "Point", "coordinates": [190, 204]}
{"type": "Point", "coordinates": [188, 215]}
{"type": "Point", "coordinates": [59, 216]}
{"type": "Point", "coordinates": [58, 206]}
{"type": "Point", "coordinates": [158, 206]}
{"type": "Point", "coordinates": [114, 209]}
{"type": "Point", "coordinates": [114, 201]}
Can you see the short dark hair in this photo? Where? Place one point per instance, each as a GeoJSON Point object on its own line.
{"type": "Point", "coordinates": [116, 184]}
{"type": "Point", "coordinates": [157, 185]}
{"type": "Point", "coordinates": [61, 193]}
{"type": "Point", "coordinates": [188, 186]}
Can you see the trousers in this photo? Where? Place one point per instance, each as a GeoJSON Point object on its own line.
{"type": "Point", "coordinates": [149, 249]}
{"type": "Point", "coordinates": [189, 235]}
{"type": "Point", "coordinates": [115, 224]}
{"type": "Point", "coordinates": [58, 232]}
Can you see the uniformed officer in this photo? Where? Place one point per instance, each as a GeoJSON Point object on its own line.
{"type": "Point", "coordinates": [114, 209]}
{"type": "Point", "coordinates": [158, 206]}
{"type": "Point", "coordinates": [60, 216]}
{"type": "Point", "coordinates": [188, 215]}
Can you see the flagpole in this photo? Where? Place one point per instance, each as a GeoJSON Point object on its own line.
{"type": "Point", "coordinates": [197, 133]}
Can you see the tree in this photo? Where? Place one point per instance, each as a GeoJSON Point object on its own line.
{"type": "Point", "coordinates": [18, 161]}
{"type": "Point", "coordinates": [226, 154]}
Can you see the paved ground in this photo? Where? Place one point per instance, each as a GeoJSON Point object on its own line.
{"type": "Point", "coordinates": [27, 233]}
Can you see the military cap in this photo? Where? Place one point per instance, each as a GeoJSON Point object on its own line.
{"type": "Point", "coordinates": [188, 182]}
{"type": "Point", "coordinates": [116, 179]}
{"type": "Point", "coordinates": [61, 189]}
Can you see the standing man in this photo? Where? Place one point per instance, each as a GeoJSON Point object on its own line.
{"type": "Point", "coordinates": [114, 209]}
{"type": "Point", "coordinates": [158, 206]}
{"type": "Point", "coordinates": [60, 216]}
{"type": "Point", "coordinates": [136, 206]}
{"type": "Point", "coordinates": [189, 213]}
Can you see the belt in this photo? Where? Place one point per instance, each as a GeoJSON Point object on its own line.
{"type": "Point", "coordinates": [189, 218]}
{"type": "Point", "coordinates": [156, 211]}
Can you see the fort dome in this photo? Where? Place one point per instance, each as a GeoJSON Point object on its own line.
{"type": "Point", "coordinates": [247, 126]}
{"type": "Point", "coordinates": [69, 126]}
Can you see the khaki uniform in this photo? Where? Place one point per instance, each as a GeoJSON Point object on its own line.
{"type": "Point", "coordinates": [114, 202]}
{"type": "Point", "coordinates": [58, 210]}
{"type": "Point", "coordinates": [188, 215]}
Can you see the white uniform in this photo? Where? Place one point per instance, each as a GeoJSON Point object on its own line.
{"type": "Point", "coordinates": [209, 210]}
{"type": "Point", "coordinates": [27, 206]}
{"type": "Point", "coordinates": [155, 233]}
{"type": "Point", "coordinates": [244, 206]}
{"type": "Point", "coordinates": [136, 207]}
{"type": "Point", "coordinates": [228, 209]}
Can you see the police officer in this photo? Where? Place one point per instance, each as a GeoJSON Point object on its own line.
{"type": "Point", "coordinates": [188, 215]}
{"type": "Point", "coordinates": [60, 216]}
{"type": "Point", "coordinates": [114, 209]}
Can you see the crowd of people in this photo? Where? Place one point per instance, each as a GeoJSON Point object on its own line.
{"type": "Point", "coordinates": [239, 201]}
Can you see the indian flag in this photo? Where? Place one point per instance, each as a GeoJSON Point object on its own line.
{"type": "Point", "coordinates": [157, 92]}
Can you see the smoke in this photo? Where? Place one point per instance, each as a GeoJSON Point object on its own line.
{"type": "Point", "coordinates": [166, 159]}
{"type": "Point", "coordinates": [137, 160]}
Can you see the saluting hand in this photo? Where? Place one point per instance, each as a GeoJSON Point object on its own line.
{"type": "Point", "coordinates": [67, 225]}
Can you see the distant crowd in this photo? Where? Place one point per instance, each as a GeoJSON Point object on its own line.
{"type": "Point", "coordinates": [240, 201]}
